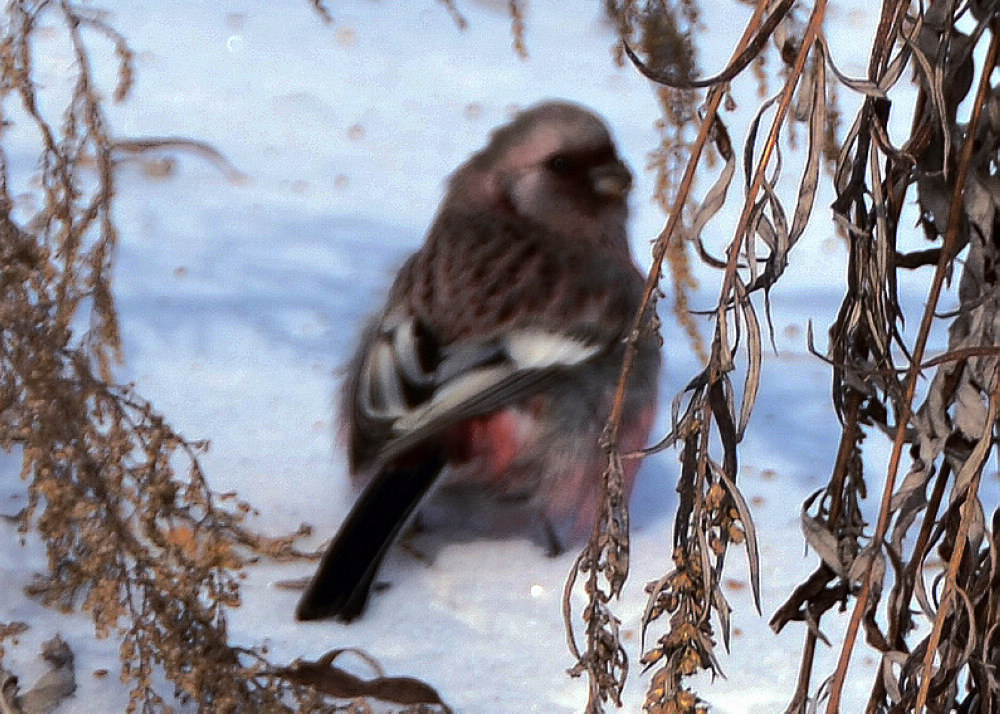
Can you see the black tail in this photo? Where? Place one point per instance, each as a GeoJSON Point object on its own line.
{"type": "Point", "coordinates": [344, 578]}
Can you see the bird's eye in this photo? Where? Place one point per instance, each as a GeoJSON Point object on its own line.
{"type": "Point", "coordinates": [560, 164]}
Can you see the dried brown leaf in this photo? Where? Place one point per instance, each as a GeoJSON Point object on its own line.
{"type": "Point", "coordinates": [324, 676]}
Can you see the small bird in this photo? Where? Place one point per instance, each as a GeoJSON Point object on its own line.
{"type": "Point", "coordinates": [495, 359]}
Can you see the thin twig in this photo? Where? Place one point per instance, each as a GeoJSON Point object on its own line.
{"type": "Point", "coordinates": [613, 424]}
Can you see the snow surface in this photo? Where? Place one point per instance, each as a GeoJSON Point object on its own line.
{"type": "Point", "coordinates": [239, 301]}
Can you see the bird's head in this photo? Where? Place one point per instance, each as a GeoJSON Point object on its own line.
{"type": "Point", "coordinates": [554, 164]}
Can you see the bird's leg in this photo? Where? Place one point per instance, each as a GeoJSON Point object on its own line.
{"type": "Point", "coordinates": [554, 547]}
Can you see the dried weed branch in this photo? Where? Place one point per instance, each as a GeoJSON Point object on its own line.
{"type": "Point", "coordinates": [712, 513]}
{"type": "Point", "coordinates": [604, 561]}
{"type": "Point", "coordinates": [134, 535]}
{"type": "Point", "coordinates": [949, 436]}
{"type": "Point", "coordinates": [665, 32]}
{"type": "Point", "coordinates": [952, 161]}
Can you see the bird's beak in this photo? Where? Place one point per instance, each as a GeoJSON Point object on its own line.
{"type": "Point", "coordinates": [611, 180]}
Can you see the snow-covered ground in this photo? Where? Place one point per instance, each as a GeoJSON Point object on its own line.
{"type": "Point", "coordinates": [239, 301]}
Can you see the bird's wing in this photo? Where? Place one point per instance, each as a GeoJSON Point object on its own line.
{"type": "Point", "coordinates": [484, 315]}
{"type": "Point", "coordinates": [405, 398]}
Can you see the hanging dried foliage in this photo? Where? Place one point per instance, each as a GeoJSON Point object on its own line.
{"type": "Point", "coordinates": [712, 512]}
{"type": "Point", "coordinates": [135, 537]}
{"type": "Point", "coordinates": [884, 570]}
{"type": "Point", "coordinates": [951, 165]}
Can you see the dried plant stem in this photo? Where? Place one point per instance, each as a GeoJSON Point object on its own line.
{"type": "Point", "coordinates": [594, 671]}
{"type": "Point", "coordinates": [913, 373]}
{"type": "Point", "coordinates": [905, 584]}
{"type": "Point", "coordinates": [848, 443]}
{"type": "Point", "coordinates": [801, 696]}
{"type": "Point", "coordinates": [714, 99]}
{"type": "Point", "coordinates": [968, 508]}
{"type": "Point", "coordinates": [975, 461]}
{"type": "Point", "coordinates": [812, 31]}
